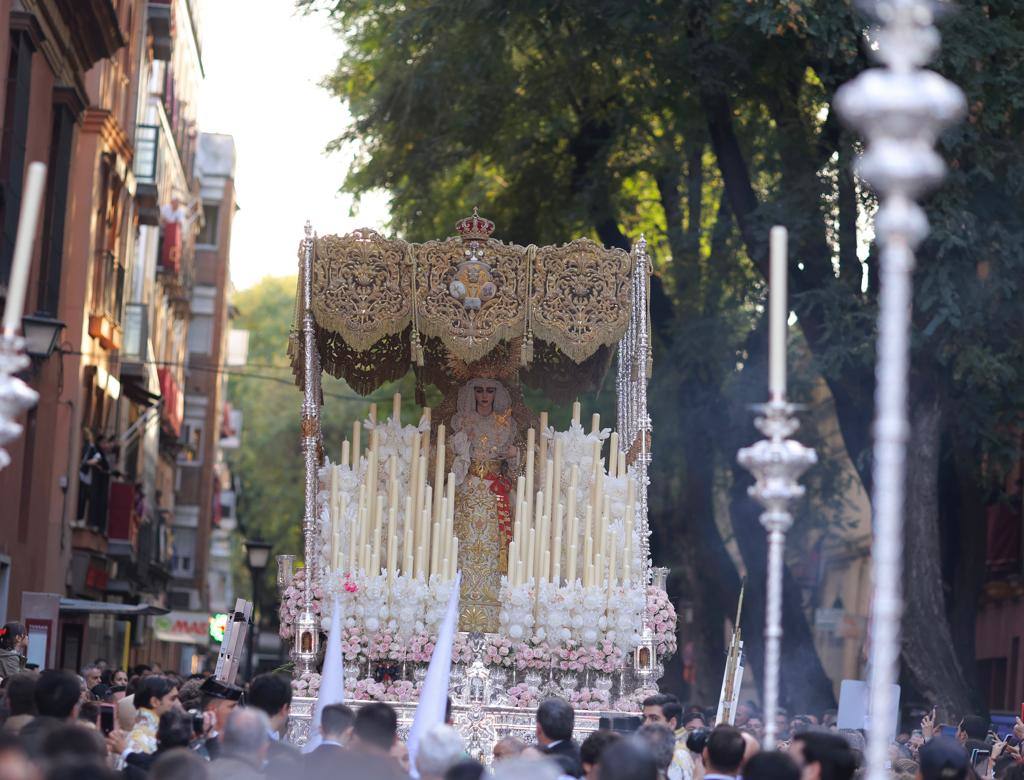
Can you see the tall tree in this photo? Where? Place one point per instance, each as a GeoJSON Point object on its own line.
{"type": "Point", "coordinates": [702, 123]}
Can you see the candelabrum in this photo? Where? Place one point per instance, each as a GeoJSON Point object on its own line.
{"type": "Point", "coordinates": [776, 462]}
{"type": "Point", "coordinates": [15, 396]}
{"type": "Point", "coordinates": [900, 108]}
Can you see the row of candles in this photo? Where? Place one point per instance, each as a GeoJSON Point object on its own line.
{"type": "Point", "coordinates": [430, 546]}
{"type": "Point", "coordinates": [547, 528]}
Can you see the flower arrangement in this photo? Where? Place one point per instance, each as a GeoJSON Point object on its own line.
{"type": "Point", "coordinates": [661, 617]}
{"type": "Point", "coordinates": [589, 699]}
{"type": "Point", "coordinates": [523, 695]}
{"type": "Point", "coordinates": [291, 604]}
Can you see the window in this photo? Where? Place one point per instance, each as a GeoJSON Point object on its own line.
{"type": "Point", "coordinates": [208, 235]}
{"type": "Point", "coordinates": [200, 334]}
{"type": "Point", "coordinates": [183, 561]}
{"type": "Point", "coordinates": [13, 144]}
{"type": "Point", "coordinates": [192, 436]}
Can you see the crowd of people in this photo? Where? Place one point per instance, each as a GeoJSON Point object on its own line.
{"type": "Point", "coordinates": [108, 723]}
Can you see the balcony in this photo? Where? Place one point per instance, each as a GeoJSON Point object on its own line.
{"type": "Point", "coordinates": [147, 173]}
{"type": "Point", "coordinates": [105, 318]}
{"type": "Point", "coordinates": [173, 410]}
{"type": "Point", "coordinates": [135, 343]}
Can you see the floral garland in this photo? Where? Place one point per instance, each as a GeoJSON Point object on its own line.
{"type": "Point", "coordinates": [661, 617]}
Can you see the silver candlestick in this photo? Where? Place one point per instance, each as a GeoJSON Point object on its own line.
{"type": "Point", "coordinates": [16, 397]}
{"type": "Point", "coordinates": [776, 463]}
{"type": "Point", "coordinates": [901, 109]}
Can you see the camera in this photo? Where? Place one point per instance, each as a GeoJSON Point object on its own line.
{"type": "Point", "coordinates": [697, 740]}
{"type": "Point", "coordinates": [197, 721]}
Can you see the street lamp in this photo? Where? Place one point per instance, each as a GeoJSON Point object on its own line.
{"type": "Point", "coordinates": [41, 334]}
{"type": "Point", "coordinates": [257, 554]}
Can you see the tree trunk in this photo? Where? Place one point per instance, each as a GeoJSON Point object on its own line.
{"type": "Point", "coordinates": [928, 654]}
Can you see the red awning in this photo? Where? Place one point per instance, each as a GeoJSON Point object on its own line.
{"type": "Point", "coordinates": [173, 410]}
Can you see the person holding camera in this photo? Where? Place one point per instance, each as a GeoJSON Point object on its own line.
{"type": "Point", "coordinates": [175, 730]}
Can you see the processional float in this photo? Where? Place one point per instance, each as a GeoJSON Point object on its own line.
{"type": "Point", "coordinates": [548, 527]}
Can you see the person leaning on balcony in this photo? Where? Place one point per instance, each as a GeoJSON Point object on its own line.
{"type": "Point", "coordinates": [13, 644]}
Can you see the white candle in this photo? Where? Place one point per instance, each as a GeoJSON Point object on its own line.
{"type": "Point", "coordinates": [528, 518]}
{"type": "Point", "coordinates": [425, 417]}
{"type": "Point", "coordinates": [392, 539]}
{"type": "Point", "coordinates": [435, 548]}
{"type": "Point", "coordinates": [24, 240]}
{"type": "Point", "coordinates": [613, 454]}
{"type": "Point", "coordinates": [778, 314]}
{"type": "Point", "coordinates": [407, 570]}
{"type": "Point", "coordinates": [454, 562]}
{"type": "Point", "coordinates": [396, 408]}
{"type": "Point", "coordinates": [357, 430]}
{"type": "Point", "coordinates": [531, 551]}
{"type": "Point", "coordinates": [373, 412]}
{"type": "Point", "coordinates": [415, 477]}
{"type": "Point", "coordinates": [512, 563]}
{"type": "Point", "coordinates": [542, 443]}
{"type": "Point", "coordinates": [571, 565]}
{"type": "Point", "coordinates": [345, 454]}
{"type": "Point", "coordinates": [439, 472]}
{"type": "Point", "coordinates": [575, 411]}
{"type": "Point", "coordinates": [595, 423]}
{"type": "Point", "coordinates": [556, 554]}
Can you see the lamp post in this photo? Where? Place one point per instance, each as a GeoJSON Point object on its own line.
{"type": "Point", "coordinates": [41, 333]}
{"type": "Point", "coordinates": [257, 554]}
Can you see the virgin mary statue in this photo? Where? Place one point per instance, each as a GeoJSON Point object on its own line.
{"type": "Point", "coordinates": [485, 465]}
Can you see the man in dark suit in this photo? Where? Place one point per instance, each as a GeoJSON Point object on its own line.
{"type": "Point", "coordinates": [555, 719]}
{"type": "Point", "coordinates": [335, 728]}
{"type": "Point", "coordinates": [272, 693]}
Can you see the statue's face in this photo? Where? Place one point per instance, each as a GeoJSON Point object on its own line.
{"type": "Point", "coordinates": [484, 395]}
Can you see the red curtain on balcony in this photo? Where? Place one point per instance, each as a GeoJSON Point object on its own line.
{"type": "Point", "coordinates": [170, 250]}
{"type": "Point", "coordinates": [123, 522]}
{"type": "Point", "coordinates": [173, 409]}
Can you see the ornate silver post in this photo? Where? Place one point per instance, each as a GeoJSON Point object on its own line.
{"type": "Point", "coordinates": [307, 635]}
{"type": "Point", "coordinates": [900, 108]}
{"type": "Point", "coordinates": [634, 423]}
{"type": "Point", "coordinates": [15, 396]}
{"type": "Point", "coordinates": [776, 463]}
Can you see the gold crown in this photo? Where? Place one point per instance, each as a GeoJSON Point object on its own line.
{"type": "Point", "coordinates": [475, 228]}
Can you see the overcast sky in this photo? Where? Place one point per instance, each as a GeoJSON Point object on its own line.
{"type": "Point", "coordinates": [263, 63]}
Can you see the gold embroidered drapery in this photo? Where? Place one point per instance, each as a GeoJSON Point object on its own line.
{"type": "Point", "coordinates": [374, 299]}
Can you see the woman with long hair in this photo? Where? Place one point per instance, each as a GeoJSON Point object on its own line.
{"type": "Point", "coordinates": [155, 695]}
{"type": "Point", "coordinates": [13, 645]}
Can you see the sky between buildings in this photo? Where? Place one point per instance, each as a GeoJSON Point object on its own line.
{"type": "Point", "coordinates": [263, 65]}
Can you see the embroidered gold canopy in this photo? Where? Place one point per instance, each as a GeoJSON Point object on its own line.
{"type": "Point", "coordinates": [382, 304]}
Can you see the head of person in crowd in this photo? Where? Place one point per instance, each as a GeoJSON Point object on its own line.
{"type": "Point", "coordinates": [439, 749]}
{"type": "Point", "coordinates": [14, 637]}
{"type": "Point", "coordinates": [81, 769]}
{"type": "Point", "coordinates": [92, 675]}
{"type": "Point", "coordinates": [823, 756]}
{"type": "Point", "coordinates": [744, 712]}
{"type": "Point", "coordinates": [119, 677]}
{"type": "Point", "coordinates": [89, 714]}
{"type": "Point", "coordinates": [663, 708]}
{"type": "Point", "coordinates": [756, 726]}
{"type": "Point", "coordinates": [694, 719]}
{"type": "Point", "coordinates": [116, 694]}
{"type": "Point", "coordinates": [14, 761]}
{"type": "Point", "coordinates": [272, 693]}
{"type": "Point", "coordinates": [400, 752]}
{"type": "Point", "coordinates": [627, 759]}
{"type": "Point", "coordinates": [190, 694]}
{"type": "Point", "coordinates": [21, 703]}
{"type": "Point", "coordinates": [972, 727]}
{"type": "Point", "coordinates": [219, 699]}
{"type": "Point", "coordinates": [751, 747]}
{"type": "Point", "coordinates": [904, 769]}
{"type": "Point", "coordinates": [74, 741]}
{"type": "Point", "coordinates": [375, 729]}
{"type": "Point", "coordinates": [555, 720]}
{"type": "Point", "coordinates": [943, 758]}
{"type": "Point", "coordinates": [723, 753]}
{"type": "Point", "coordinates": [336, 723]}
{"type": "Point", "coordinates": [592, 747]}
{"type": "Point", "coordinates": [179, 764]}
{"type": "Point", "coordinates": [156, 694]}
{"type": "Point", "coordinates": [247, 736]}
{"type": "Point", "coordinates": [174, 730]}
{"type": "Point", "coordinates": [536, 768]}
{"type": "Point", "coordinates": [661, 741]}
{"type": "Point", "coordinates": [771, 765]}
{"type": "Point", "coordinates": [466, 769]}
{"type": "Point", "coordinates": [57, 694]}
{"type": "Point", "coordinates": [508, 747]}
